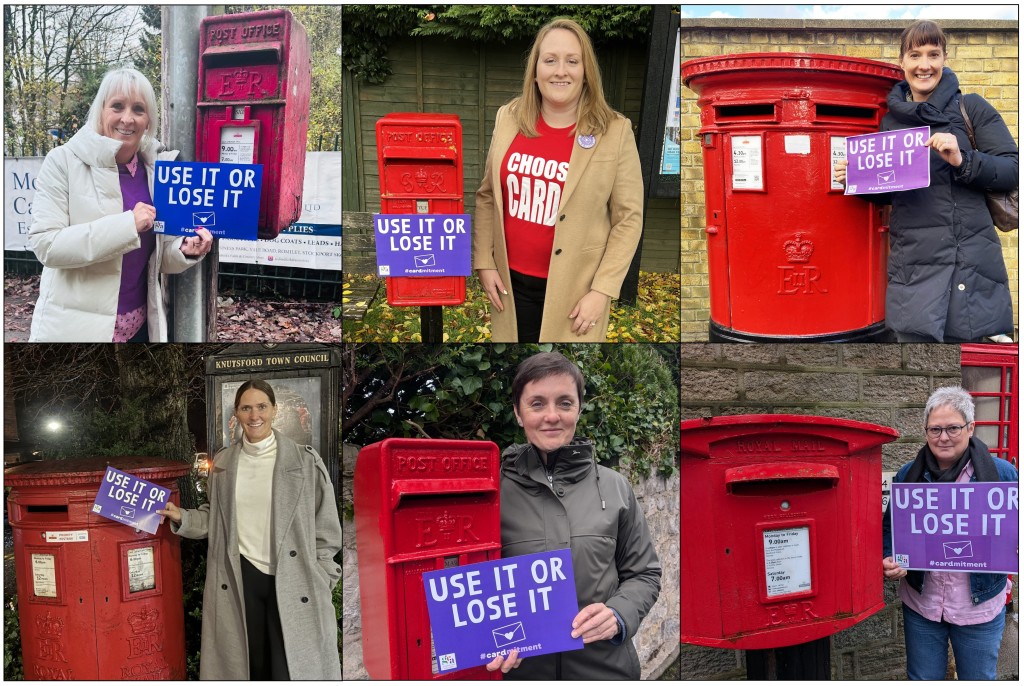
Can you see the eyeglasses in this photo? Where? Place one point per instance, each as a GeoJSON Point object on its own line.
{"type": "Point", "coordinates": [951, 431]}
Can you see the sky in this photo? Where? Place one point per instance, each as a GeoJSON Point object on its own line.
{"type": "Point", "coordinates": [774, 11]}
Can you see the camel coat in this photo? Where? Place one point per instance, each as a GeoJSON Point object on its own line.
{"type": "Point", "coordinates": [600, 218]}
{"type": "Point", "coordinates": [80, 231]}
{"type": "Point", "coordinates": [306, 536]}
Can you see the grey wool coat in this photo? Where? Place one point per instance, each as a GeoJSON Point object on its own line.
{"type": "Point", "coordinates": [306, 536]}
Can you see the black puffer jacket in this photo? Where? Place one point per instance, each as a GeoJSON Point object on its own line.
{"type": "Point", "coordinates": [947, 280]}
{"type": "Point", "coordinates": [592, 511]}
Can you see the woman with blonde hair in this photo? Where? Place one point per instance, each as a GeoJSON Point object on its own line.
{"type": "Point", "coordinates": [93, 221]}
{"type": "Point", "coordinates": [560, 206]}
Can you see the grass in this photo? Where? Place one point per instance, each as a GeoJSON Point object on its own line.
{"type": "Point", "coordinates": [654, 318]}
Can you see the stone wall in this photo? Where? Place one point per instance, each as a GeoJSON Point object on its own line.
{"type": "Point", "coordinates": [657, 642]}
{"type": "Point", "coordinates": [982, 53]}
{"type": "Point", "coordinates": [882, 384]}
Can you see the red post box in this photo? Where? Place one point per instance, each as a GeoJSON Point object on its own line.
{"type": "Point", "coordinates": [96, 599]}
{"type": "Point", "coordinates": [780, 526]}
{"type": "Point", "coordinates": [420, 505]}
{"type": "Point", "coordinates": [254, 74]}
{"type": "Point", "coordinates": [419, 162]}
{"type": "Point", "coordinates": [790, 256]}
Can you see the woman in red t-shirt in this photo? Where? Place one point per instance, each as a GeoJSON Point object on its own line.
{"type": "Point", "coordinates": [560, 206]}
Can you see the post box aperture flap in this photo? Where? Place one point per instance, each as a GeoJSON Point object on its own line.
{"type": "Point", "coordinates": [254, 87]}
{"type": "Point", "coordinates": [420, 505]}
{"type": "Point", "coordinates": [789, 510]}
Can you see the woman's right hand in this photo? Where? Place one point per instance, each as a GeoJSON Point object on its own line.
{"type": "Point", "coordinates": [892, 570]}
{"type": "Point", "coordinates": [145, 215]}
{"type": "Point", "coordinates": [839, 171]}
{"type": "Point", "coordinates": [493, 287]}
{"type": "Point", "coordinates": [506, 664]}
{"type": "Point", "coordinates": [171, 511]}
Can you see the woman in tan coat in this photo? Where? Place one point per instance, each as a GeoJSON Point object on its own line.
{"type": "Point", "coordinates": [560, 207]}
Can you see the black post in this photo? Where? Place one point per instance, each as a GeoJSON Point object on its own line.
{"type": "Point", "coordinates": [432, 324]}
{"type": "Point", "coordinates": [806, 661]}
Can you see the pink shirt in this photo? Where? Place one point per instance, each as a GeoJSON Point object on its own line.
{"type": "Point", "coordinates": [946, 596]}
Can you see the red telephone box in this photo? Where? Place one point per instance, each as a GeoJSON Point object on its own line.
{"type": "Point", "coordinates": [789, 256]}
{"type": "Point", "coordinates": [420, 505]}
{"type": "Point", "coordinates": [96, 599]}
{"type": "Point", "coordinates": [780, 524]}
{"type": "Point", "coordinates": [419, 161]}
{"type": "Point", "coordinates": [254, 74]}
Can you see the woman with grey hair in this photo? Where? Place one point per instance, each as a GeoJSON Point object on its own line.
{"type": "Point", "coordinates": [939, 608]}
{"type": "Point", "coordinates": [92, 225]}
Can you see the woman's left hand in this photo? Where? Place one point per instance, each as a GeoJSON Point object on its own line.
{"type": "Point", "coordinates": [595, 622]}
{"type": "Point", "coordinates": [588, 312]}
{"type": "Point", "coordinates": [199, 245]}
{"type": "Point", "coordinates": [948, 147]}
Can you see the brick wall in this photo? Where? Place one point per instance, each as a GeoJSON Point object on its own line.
{"type": "Point", "coordinates": [982, 53]}
{"type": "Point", "coordinates": [882, 384]}
{"type": "Point", "coordinates": [657, 641]}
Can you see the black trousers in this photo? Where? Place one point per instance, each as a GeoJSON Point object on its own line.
{"type": "Point", "coordinates": [528, 294]}
{"type": "Point", "coordinates": [267, 660]}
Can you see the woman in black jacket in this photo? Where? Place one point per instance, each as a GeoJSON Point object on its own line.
{"type": "Point", "coordinates": [947, 279]}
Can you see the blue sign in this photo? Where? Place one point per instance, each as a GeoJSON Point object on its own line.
{"type": "Point", "coordinates": [485, 610]}
{"type": "Point", "coordinates": [130, 500]}
{"type": "Point", "coordinates": [423, 244]}
{"type": "Point", "coordinates": [955, 527]}
{"type": "Point", "coordinates": [222, 198]}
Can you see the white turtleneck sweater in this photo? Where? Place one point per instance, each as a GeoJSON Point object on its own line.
{"type": "Point", "coordinates": [254, 487]}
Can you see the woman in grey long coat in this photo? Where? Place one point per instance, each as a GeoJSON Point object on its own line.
{"type": "Point", "coordinates": [273, 530]}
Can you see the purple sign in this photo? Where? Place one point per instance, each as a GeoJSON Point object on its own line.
{"type": "Point", "coordinates": [422, 244]}
{"type": "Point", "coordinates": [888, 161]}
{"type": "Point", "coordinates": [958, 527]}
{"type": "Point", "coordinates": [130, 500]}
{"type": "Point", "coordinates": [483, 610]}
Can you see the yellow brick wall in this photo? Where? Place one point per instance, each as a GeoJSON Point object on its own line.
{"type": "Point", "coordinates": [982, 53]}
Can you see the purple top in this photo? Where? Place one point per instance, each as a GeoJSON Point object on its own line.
{"type": "Point", "coordinates": [135, 189]}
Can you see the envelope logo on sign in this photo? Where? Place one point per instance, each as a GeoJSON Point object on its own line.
{"type": "Point", "coordinates": [504, 635]}
{"type": "Point", "coordinates": [887, 176]}
{"type": "Point", "coordinates": [957, 549]}
{"type": "Point", "coordinates": [423, 260]}
{"type": "Point", "coordinates": [127, 511]}
{"type": "Point", "coordinates": [204, 219]}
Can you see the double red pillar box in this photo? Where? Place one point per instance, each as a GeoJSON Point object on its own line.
{"type": "Point", "coordinates": [781, 520]}
{"type": "Point", "coordinates": [97, 599]}
{"type": "Point", "coordinates": [789, 255]}
{"type": "Point", "coordinates": [420, 505]}
{"type": "Point", "coordinates": [419, 161]}
{"type": "Point", "coordinates": [254, 78]}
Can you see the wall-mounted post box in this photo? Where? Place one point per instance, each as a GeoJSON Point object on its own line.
{"type": "Point", "coordinates": [420, 505]}
{"type": "Point", "coordinates": [780, 523]}
{"type": "Point", "coordinates": [419, 161]}
{"type": "Point", "coordinates": [97, 599]}
{"type": "Point", "coordinates": [254, 76]}
{"type": "Point", "coordinates": [789, 255]}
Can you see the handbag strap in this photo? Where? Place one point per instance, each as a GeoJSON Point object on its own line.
{"type": "Point", "coordinates": [967, 121]}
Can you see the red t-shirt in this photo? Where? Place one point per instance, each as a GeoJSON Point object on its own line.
{"type": "Point", "coordinates": [532, 176]}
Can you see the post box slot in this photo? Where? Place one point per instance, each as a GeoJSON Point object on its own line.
{"type": "Point", "coordinates": [776, 478]}
{"type": "Point", "coordinates": [45, 513]}
{"type": "Point", "coordinates": [234, 56]}
{"type": "Point", "coordinates": [843, 112]}
{"type": "Point", "coordinates": [765, 111]}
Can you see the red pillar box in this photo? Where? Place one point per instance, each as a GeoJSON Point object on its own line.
{"type": "Point", "coordinates": [789, 256]}
{"type": "Point", "coordinates": [254, 78]}
{"type": "Point", "coordinates": [420, 505]}
{"type": "Point", "coordinates": [96, 598]}
{"type": "Point", "coordinates": [780, 524]}
{"type": "Point", "coordinates": [419, 161]}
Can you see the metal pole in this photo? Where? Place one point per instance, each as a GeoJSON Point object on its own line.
{"type": "Point", "coordinates": [191, 299]}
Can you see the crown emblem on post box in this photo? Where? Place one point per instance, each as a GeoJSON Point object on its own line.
{"type": "Point", "coordinates": [144, 621]}
{"type": "Point", "coordinates": [421, 177]}
{"type": "Point", "coordinates": [49, 626]}
{"type": "Point", "coordinates": [446, 524]}
{"type": "Point", "coordinates": [798, 250]}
